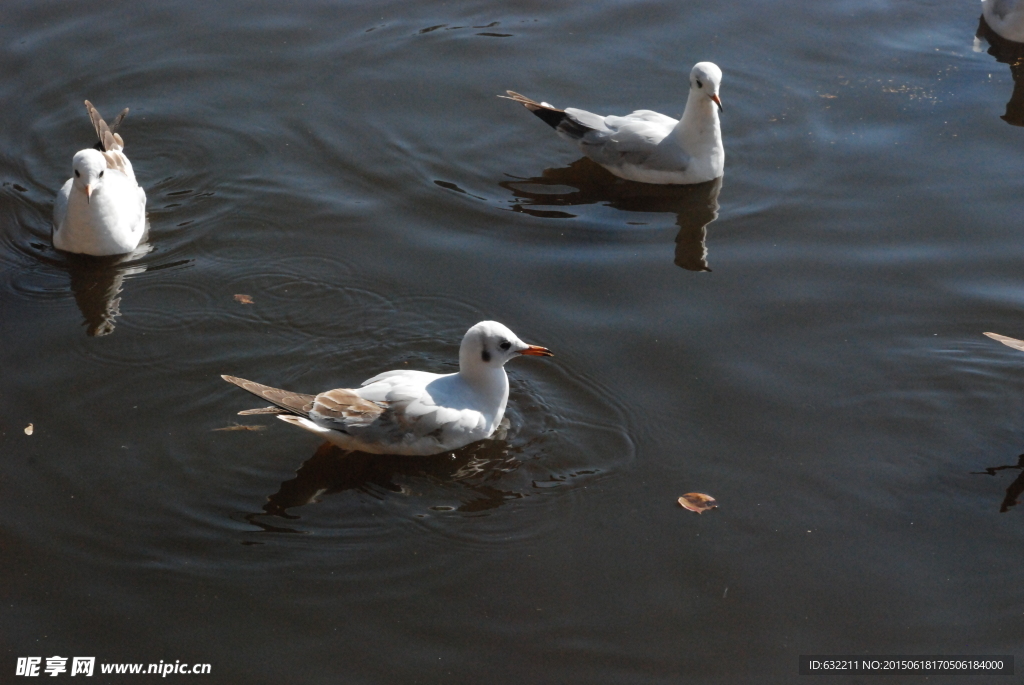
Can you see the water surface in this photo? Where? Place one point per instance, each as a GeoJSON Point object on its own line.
{"type": "Point", "coordinates": [802, 340]}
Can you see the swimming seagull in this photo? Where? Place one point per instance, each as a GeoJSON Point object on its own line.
{"type": "Point", "coordinates": [410, 412]}
{"type": "Point", "coordinates": [1005, 17]}
{"type": "Point", "coordinates": [101, 210]}
{"type": "Point", "coordinates": [646, 146]}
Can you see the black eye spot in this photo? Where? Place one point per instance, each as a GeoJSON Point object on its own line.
{"type": "Point", "coordinates": [77, 175]}
{"type": "Point", "coordinates": [101, 174]}
{"type": "Point", "coordinates": [505, 344]}
{"type": "Point", "coordinates": [485, 355]}
{"type": "Point", "coordinates": [699, 84]}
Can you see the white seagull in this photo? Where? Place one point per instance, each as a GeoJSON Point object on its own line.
{"type": "Point", "coordinates": [1005, 17]}
{"type": "Point", "coordinates": [101, 210]}
{"type": "Point", "coordinates": [646, 146]}
{"type": "Point", "coordinates": [410, 412]}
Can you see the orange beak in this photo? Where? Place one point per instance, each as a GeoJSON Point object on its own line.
{"type": "Point", "coordinates": [88, 193]}
{"type": "Point", "coordinates": [717, 101]}
{"type": "Point", "coordinates": [537, 351]}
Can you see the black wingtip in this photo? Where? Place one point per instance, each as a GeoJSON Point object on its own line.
{"type": "Point", "coordinates": [549, 116]}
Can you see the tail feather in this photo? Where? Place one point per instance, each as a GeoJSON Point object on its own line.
{"type": "Point", "coordinates": [292, 402]}
{"type": "Point", "coordinates": [557, 119]}
{"type": "Point", "coordinates": [552, 116]}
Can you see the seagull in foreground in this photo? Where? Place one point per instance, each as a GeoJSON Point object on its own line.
{"type": "Point", "coordinates": [1005, 17]}
{"type": "Point", "coordinates": [101, 210]}
{"type": "Point", "coordinates": [410, 412]}
{"type": "Point", "coordinates": [646, 146]}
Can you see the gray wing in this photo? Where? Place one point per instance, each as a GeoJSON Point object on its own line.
{"type": "Point", "coordinates": [374, 422]}
{"type": "Point", "coordinates": [397, 408]}
{"type": "Point", "coordinates": [632, 139]}
{"type": "Point", "coordinates": [342, 409]}
{"type": "Point", "coordinates": [60, 205]}
{"type": "Point", "coordinates": [589, 120]}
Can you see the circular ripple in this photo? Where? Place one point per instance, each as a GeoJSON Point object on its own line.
{"type": "Point", "coordinates": [564, 432]}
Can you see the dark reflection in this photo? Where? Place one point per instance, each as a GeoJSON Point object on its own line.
{"type": "Point", "coordinates": [97, 283]}
{"type": "Point", "coordinates": [1012, 53]}
{"type": "Point", "coordinates": [585, 182]}
{"type": "Point", "coordinates": [332, 470]}
{"type": "Point", "coordinates": [1016, 488]}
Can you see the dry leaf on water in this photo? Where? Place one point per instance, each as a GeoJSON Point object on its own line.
{"type": "Point", "coordinates": [698, 502]}
{"type": "Point", "coordinates": [244, 299]}
{"type": "Point", "coordinates": [28, 429]}
{"type": "Point", "coordinates": [241, 427]}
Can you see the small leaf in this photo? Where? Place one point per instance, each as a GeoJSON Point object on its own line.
{"type": "Point", "coordinates": [698, 502]}
{"type": "Point", "coordinates": [28, 429]}
{"type": "Point", "coordinates": [244, 299]}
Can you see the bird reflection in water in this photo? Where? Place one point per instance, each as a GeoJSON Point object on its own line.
{"type": "Point", "coordinates": [473, 469]}
{"type": "Point", "coordinates": [584, 182]}
{"type": "Point", "coordinates": [1012, 53]}
{"type": "Point", "coordinates": [1016, 488]}
{"type": "Point", "coordinates": [97, 283]}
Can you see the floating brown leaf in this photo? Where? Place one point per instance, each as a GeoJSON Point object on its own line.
{"type": "Point", "coordinates": [698, 502]}
{"type": "Point", "coordinates": [241, 427]}
{"type": "Point", "coordinates": [28, 429]}
{"type": "Point", "coordinates": [244, 299]}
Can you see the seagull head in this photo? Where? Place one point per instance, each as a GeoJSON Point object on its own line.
{"type": "Point", "coordinates": [89, 166]}
{"type": "Point", "coordinates": [706, 79]}
{"type": "Point", "coordinates": [489, 344]}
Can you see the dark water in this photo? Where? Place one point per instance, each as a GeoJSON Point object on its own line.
{"type": "Point", "coordinates": [349, 168]}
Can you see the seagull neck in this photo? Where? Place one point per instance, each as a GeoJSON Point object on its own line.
{"type": "Point", "coordinates": [699, 125]}
{"type": "Point", "coordinates": [484, 378]}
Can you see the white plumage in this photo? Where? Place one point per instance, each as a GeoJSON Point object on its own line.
{"type": "Point", "coordinates": [101, 210]}
{"type": "Point", "coordinates": [411, 412]}
{"type": "Point", "coordinates": [646, 146]}
{"type": "Point", "coordinates": [1005, 17]}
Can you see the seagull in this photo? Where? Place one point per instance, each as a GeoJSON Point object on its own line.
{"type": "Point", "coordinates": [646, 146]}
{"type": "Point", "coordinates": [410, 412]}
{"type": "Point", "coordinates": [1005, 17]}
{"type": "Point", "coordinates": [101, 210]}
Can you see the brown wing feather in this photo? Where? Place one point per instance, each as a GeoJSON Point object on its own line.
{"type": "Point", "coordinates": [1009, 342]}
{"type": "Point", "coordinates": [293, 402]}
{"type": "Point", "coordinates": [117, 120]}
{"type": "Point", "coordinates": [262, 410]}
{"type": "Point", "coordinates": [105, 133]}
{"type": "Point", "coordinates": [346, 407]}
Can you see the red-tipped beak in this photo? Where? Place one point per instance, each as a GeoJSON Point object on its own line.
{"type": "Point", "coordinates": [537, 351]}
{"type": "Point", "coordinates": [717, 101]}
{"type": "Point", "coordinates": [88, 193]}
